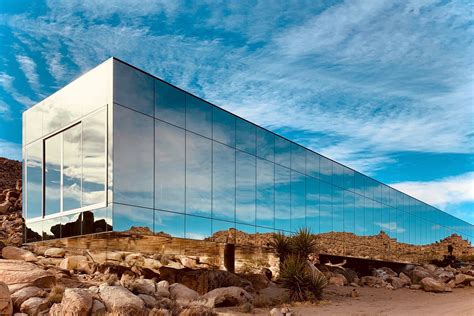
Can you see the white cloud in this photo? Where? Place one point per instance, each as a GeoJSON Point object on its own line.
{"type": "Point", "coordinates": [28, 66]}
{"type": "Point", "coordinates": [442, 192]}
{"type": "Point", "coordinates": [6, 83]}
{"type": "Point", "coordinates": [391, 227]}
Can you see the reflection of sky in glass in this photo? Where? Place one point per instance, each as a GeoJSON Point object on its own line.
{"type": "Point", "coordinates": [265, 194]}
{"type": "Point", "coordinates": [245, 136]}
{"type": "Point", "coordinates": [223, 127]}
{"type": "Point", "coordinates": [170, 223]}
{"type": "Point", "coordinates": [169, 104]}
{"type": "Point", "coordinates": [72, 168]}
{"type": "Point", "coordinates": [223, 182]}
{"type": "Point", "coordinates": [282, 151]}
{"type": "Point", "coordinates": [198, 116]}
{"type": "Point", "coordinates": [34, 158]}
{"type": "Point", "coordinates": [245, 188]}
{"type": "Point", "coordinates": [265, 144]}
{"type": "Point", "coordinates": [125, 217]}
{"type": "Point", "coordinates": [298, 201]}
{"type": "Point", "coordinates": [53, 174]}
{"type": "Point", "coordinates": [282, 198]}
{"type": "Point", "coordinates": [198, 227]}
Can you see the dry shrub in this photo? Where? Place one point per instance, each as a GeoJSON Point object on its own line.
{"type": "Point", "coordinates": [56, 294]}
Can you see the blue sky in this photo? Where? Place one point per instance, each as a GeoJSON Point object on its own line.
{"type": "Point", "coordinates": [385, 87]}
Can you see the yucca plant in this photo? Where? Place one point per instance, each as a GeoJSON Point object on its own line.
{"type": "Point", "coordinates": [303, 243]}
{"type": "Point", "coordinates": [281, 244]}
{"type": "Point", "coordinates": [316, 283]}
{"type": "Point", "coordinates": [294, 277]}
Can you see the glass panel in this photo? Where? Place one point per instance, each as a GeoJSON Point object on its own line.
{"type": "Point", "coordinates": [249, 229]}
{"type": "Point", "coordinates": [325, 208]}
{"type": "Point", "coordinates": [53, 174]}
{"type": "Point", "coordinates": [170, 104]}
{"type": "Point", "coordinates": [325, 169]}
{"type": "Point", "coordinates": [52, 228]}
{"type": "Point", "coordinates": [198, 174]}
{"type": "Point", "coordinates": [223, 127]}
{"type": "Point", "coordinates": [312, 164]}
{"type": "Point", "coordinates": [72, 168]}
{"type": "Point", "coordinates": [349, 213]}
{"type": "Point", "coordinates": [218, 226]}
{"type": "Point", "coordinates": [133, 157]}
{"type": "Point", "coordinates": [94, 168]}
{"type": "Point", "coordinates": [312, 204]}
{"type": "Point", "coordinates": [359, 222]}
{"type": "Point", "coordinates": [71, 225]}
{"type": "Point", "coordinates": [133, 88]}
{"type": "Point", "coordinates": [169, 223]}
{"type": "Point", "coordinates": [337, 209]}
{"type": "Point", "coordinates": [359, 185]}
{"type": "Point", "coordinates": [34, 175]}
{"type": "Point", "coordinates": [169, 167]}
{"type": "Point", "coordinates": [265, 193]}
{"type": "Point", "coordinates": [282, 151]}
{"type": "Point", "coordinates": [298, 201]}
{"type": "Point", "coordinates": [298, 158]}
{"type": "Point", "coordinates": [97, 221]}
{"type": "Point", "coordinates": [265, 144]}
{"type": "Point", "coordinates": [282, 198]}
{"type": "Point", "coordinates": [337, 174]}
{"type": "Point", "coordinates": [223, 185]}
{"type": "Point", "coordinates": [198, 227]}
{"type": "Point", "coordinates": [198, 116]}
{"type": "Point", "coordinates": [245, 188]}
{"type": "Point", "coordinates": [245, 136]}
{"type": "Point", "coordinates": [348, 179]}
{"type": "Point", "coordinates": [132, 219]}
{"type": "Point", "coordinates": [33, 231]}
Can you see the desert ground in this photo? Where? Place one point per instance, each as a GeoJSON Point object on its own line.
{"type": "Point", "coordinates": [380, 301]}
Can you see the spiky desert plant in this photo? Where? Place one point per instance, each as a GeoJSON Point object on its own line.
{"type": "Point", "coordinates": [281, 244]}
{"type": "Point", "coordinates": [294, 277]}
{"type": "Point", "coordinates": [316, 283]}
{"type": "Point", "coordinates": [303, 243]}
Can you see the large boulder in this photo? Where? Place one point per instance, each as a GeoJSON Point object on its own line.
{"type": "Point", "coordinates": [6, 306]}
{"type": "Point", "coordinates": [144, 286]}
{"type": "Point", "coordinates": [372, 281]}
{"type": "Point", "coordinates": [405, 277]}
{"type": "Point", "coordinates": [76, 263]}
{"type": "Point", "coordinates": [17, 274]}
{"type": "Point", "coordinates": [338, 279]}
{"type": "Point", "coordinates": [75, 302]}
{"type": "Point", "coordinates": [463, 279]}
{"type": "Point", "coordinates": [54, 252]}
{"type": "Point", "coordinates": [34, 305]}
{"type": "Point", "coordinates": [23, 294]}
{"type": "Point", "coordinates": [226, 296]}
{"type": "Point", "coordinates": [418, 274]}
{"type": "Point", "coordinates": [98, 308]}
{"type": "Point", "coordinates": [15, 253]}
{"type": "Point", "coordinates": [182, 294]}
{"type": "Point", "coordinates": [120, 301]}
{"type": "Point", "coordinates": [396, 282]}
{"type": "Point", "coordinates": [431, 285]}
{"type": "Point", "coordinates": [204, 281]}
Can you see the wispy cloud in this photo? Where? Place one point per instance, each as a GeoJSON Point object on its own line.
{"type": "Point", "coordinates": [442, 193]}
{"type": "Point", "coordinates": [6, 83]}
{"type": "Point", "coordinates": [28, 66]}
{"type": "Point", "coordinates": [10, 150]}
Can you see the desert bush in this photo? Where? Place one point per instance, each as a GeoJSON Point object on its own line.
{"type": "Point", "coordinates": [349, 274]}
{"type": "Point", "coordinates": [56, 294]}
{"type": "Point", "coordinates": [303, 243]}
{"type": "Point", "coordinates": [281, 244]}
{"type": "Point", "coordinates": [316, 283]}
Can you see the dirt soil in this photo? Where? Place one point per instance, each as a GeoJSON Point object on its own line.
{"type": "Point", "coordinates": [372, 301]}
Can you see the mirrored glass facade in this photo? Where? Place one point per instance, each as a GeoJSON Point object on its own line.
{"type": "Point", "coordinates": [148, 156]}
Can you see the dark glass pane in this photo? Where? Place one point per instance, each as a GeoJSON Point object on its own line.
{"type": "Point", "coordinates": [198, 227]}
{"type": "Point", "coordinates": [223, 127]}
{"type": "Point", "coordinates": [53, 174]}
{"type": "Point", "coordinates": [71, 225]}
{"type": "Point", "coordinates": [52, 228]}
{"type": "Point", "coordinates": [223, 185]}
{"type": "Point", "coordinates": [298, 201]}
{"type": "Point", "coordinates": [198, 175]}
{"type": "Point", "coordinates": [298, 158]}
{"type": "Point", "coordinates": [94, 170]}
{"type": "Point", "coordinates": [265, 193]}
{"type": "Point", "coordinates": [133, 88]}
{"type": "Point", "coordinates": [97, 221]}
{"type": "Point", "coordinates": [169, 223]}
{"type": "Point", "coordinates": [282, 151]}
{"type": "Point", "coordinates": [133, 219]}
{"type": "Point", "coordinates": [72, 168]}
{"type": "Point", "coordinates": [282, 198]}
{"type": "Point", "coordinates": [245, 188]}
{"type": "Point", "coordinates": [312, 164]}
{"type": "Point", "coordinates": [265, 144]}
{"type": "Point", "coordinates": [34, 167]}
{"type": "Point", "coordinates": [34, 231]}
{"type": "Point", "coordinates": [325, 169]}
{"type": "Point", "coordinates": [245, 136]}
{"type": "Point", "coordinates": [170, 104]}
{"type": "Point", "coordinates": [133, 157]}
{"type": "Point", "coordinates": [169, 167]}
{"type": "Point", "coordinates": [312, 204]}
{"type": "Point", "coordinates": [198, 116]}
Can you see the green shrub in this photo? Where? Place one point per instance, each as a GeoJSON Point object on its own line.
{"type": "Point", "coordinates": [281, 244]}
{"type": "Point", "coordinates": [303, 243]}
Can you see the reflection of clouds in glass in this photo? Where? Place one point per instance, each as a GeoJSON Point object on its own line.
{"type": "Point", "coordinates": [390, 227]}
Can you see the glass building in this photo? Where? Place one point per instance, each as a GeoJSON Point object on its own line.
{"type": "Point", "coordinates": [118, 148]}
